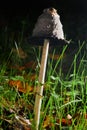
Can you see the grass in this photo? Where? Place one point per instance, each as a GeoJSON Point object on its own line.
{"type": "Point", "coordinates": [64, 102]}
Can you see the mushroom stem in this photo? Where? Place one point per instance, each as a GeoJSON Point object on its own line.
{"type": "Point", "coordinates": [39, 93]}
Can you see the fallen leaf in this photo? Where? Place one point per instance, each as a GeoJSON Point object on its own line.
{"type": "Point", "coordinates": [64, 122]}
{"type": "Point", "coordinates": [48, 122]}
{"type": "Point", "coordinates": [56, 56]}
{"type": "Point", "coordinates": [31, 64]}
{"type": "Point", "coordinates": [28, 65]}
{"type": "Point", "coordinates": [20, 52]}
{"type": "Point", "coordinates": [21, 86]}
{"type": "Point", "coordinates": [85, 116]}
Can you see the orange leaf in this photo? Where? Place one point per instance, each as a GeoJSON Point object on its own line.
{"type": "Point", "coordinates": [56, 56]}
{"type": "Point", "coordinates": [17, 67]}
{"type": "Point", "coordinates": [64, 121]}
{"type": "Point", "coordinates": [20, 52]}
{"type": "Point", "coordinates": [48, 122]}
{"type": "Point", "coordinates": [20, 86]}
{"type": "Point", "coordinates": [33, 77]}
{"type": "Point", "coordinates": [28, 65]}
{"type": "Point", "coordinates": [85, 116]}
{"type": "Point", "coordinates": [31, 64]}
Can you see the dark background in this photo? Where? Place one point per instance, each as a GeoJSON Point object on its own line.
{"type": "Point", "coordinates": [73, 14]}
{"type": "Point", "coordinates": [14, 8]}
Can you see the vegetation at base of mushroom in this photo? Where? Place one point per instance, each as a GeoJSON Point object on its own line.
{"type": "Point", "coordinates": [65, 90]}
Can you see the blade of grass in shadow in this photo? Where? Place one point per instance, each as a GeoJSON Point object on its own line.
{"type": "Point", "coordinates": [76, 58]}
{"type": "Point", "coordinates": [59, 60]}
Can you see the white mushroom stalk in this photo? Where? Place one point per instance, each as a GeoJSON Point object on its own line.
{"type": "Point", "coordinates": [39, 93]}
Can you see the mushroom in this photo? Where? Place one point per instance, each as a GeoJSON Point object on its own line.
{"type": "Point", "coordinates": [43, 38]}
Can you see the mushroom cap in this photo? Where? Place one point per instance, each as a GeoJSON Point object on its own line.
{"type": "Point", "coordinates": [48, 25]}
{"type": "Point", "coordinates": [53, 41]}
